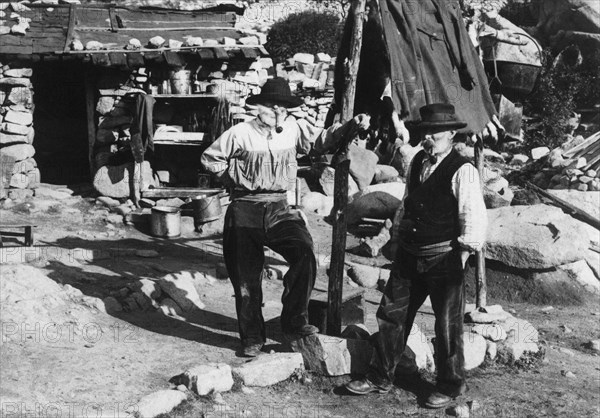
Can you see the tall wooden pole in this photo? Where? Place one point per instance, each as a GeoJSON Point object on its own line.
{"type": "Point", "coordinates": [480, 280]}
{"type": "Point", "coordinates": [338, 247]}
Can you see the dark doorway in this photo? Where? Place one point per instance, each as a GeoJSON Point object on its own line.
{"type": "Point", "coordinates": [60, 122]}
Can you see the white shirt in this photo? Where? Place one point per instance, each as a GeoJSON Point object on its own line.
{"type": "Point", "coordinates": [472, 213]}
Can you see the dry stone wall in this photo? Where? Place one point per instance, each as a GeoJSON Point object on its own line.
{"type": "Point", "coordinates": [20, 175]}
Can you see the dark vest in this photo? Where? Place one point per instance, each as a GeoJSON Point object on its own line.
{"type": "Point", "coordinates": [430, 208]}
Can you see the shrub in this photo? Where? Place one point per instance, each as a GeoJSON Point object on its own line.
{"type": "Point", "coordinates": [308, 31]}
{"type": "Point", "coordinates": [560, 90]}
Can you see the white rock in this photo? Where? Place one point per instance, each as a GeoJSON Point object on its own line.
{"type": "Point", "coordinates": [180, 287]}
{"type": "Point", "coordinates": [475, 348]}
{"type": "Point", "coordinates": [156, 41]}
{"type": "Point", "coordinates": [459, 411]}
{"type": "Point", "coordinates": [76, 45]}
{"type": "Point", "coordinates": [583, 274]}
{"type": "Point", "coordinates": [491, 350]}
{"type": "Point", "coordinates": [417, 341]}
{"type": "Point", "coordinates": [208, 378]}
{"type": "Point", "coordinates": [19, 118]}
{"type": "Point", "coordinates": [228, 41]}
{"type": "Point", "coordinates": [93, 46]}
{"type": "Point", "coordinates": [13, 128]}
{"type": "Point", "coordinates": [19, 181]}
{"type": "Point", "coordinates": [327, 182]}
{"type": "Point", "coordinates": [492, 332]}
{"type": "Point", "coordinates": [304, 58]}
{"type": "Point", "coordinates": [322, 57]}
{"type": "Point", "coordinates": [536, 237]}
{"type": "Point", "coordinates": [249, 40]}
{"type": "Point", "coordinates": [160, 402]}
{"type": "Point", "coordinates": [175, 44]}
{"type": "Point", "coordinates": [539, 152]}
{"type": "Point", "coordinates": [365, 276]}
{"type": "Point", "coordinates": [19, 152]}
{"type": "Point", "coordinates": [134, 43]}
{"type": "Point", "coordinates": [594, 345]}
{"type": "Point", "coordinates": [519, 159]}
{"type": "Point", "coordinates": [268, 369]}
{"type": "Point", "coordinates": [334, 356]}
{"type": "Point", "coordinates": [318, 203]}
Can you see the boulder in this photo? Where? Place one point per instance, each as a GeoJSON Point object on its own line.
{"type": "Point", "coordinates": [395, 188]}
{"type": "Point", "coordinates": [14, 129]}
{"type": "Point", "coordinates": [534, 237]}
{"type": "Point", "coordinates": [378, 205]}
{"type": "Point", "coordinates": [334, 356]}
{"type": "Point", "coordinates": [269, 369]}
{"type": "Point", "coordinates": [114, 181]}
{"type": "Point", "coordinates": [365, 276]}
{"type": "Point", "coordinates": [581, 272]}
{"type": "Point", "coordinates": [385, 174]}
{"type": "Point", "coordinates": [180, 287]}
{"type": "Point", "coordinates": [160, 402]}
{"type": "Point", "coordinates": [494, 198]}
{"type": "Point", "coordinates": [19, 96]}
{"type": "Point", "coordinates": [207, 378]}
{"type": "Point", "coordinates": [403, 158]}
{"type": "Point", "coordinates": [24, 166]}
{"type": "Point", "coordinates": [6, 139]}
{"type": "Point", "coordinates": [539, 152]}
{"type": "Point", "coordinates": [588, 201]}
{"type": "Point", "coordinates": [18, 72]}
{"type": "Point", "coordinates": [19, 181]}
{"type": "Point", "coordinates": [19, 152]}
{"type": "Point", "coordinates": [519, 159]}
{"type": "Point", "coordinates": [317, 203]}
{"type": "Point", "coordinates": [327, 182]}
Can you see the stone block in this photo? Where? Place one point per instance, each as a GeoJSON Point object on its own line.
{"type": "Point", "coordinates": [353, 308]}
{"type": "Point", "coordinates": [539, 152]}
{"type": "Point", "coordinates": [269, 369]}
{"type": "Point", "coordinates": [19, 96]}
{"type": "Point", "coordinates": [13, 128]}
{"type": "Point", "coordinates": [9, 139]}
{"type": "Point", "coordinates": [18, 72]}
{"type": "Point", "coordinates": [160, 402]}
{"type": "Point", "coordinates": [34, 178]}
{"type": "Point", "coordinates": [114, 181]}
{"type": "Point", "coordinates": [334, 356]}
{"type": "Point", "coordinates": [19, 118]}
{"type": "Point", "coordinates": [15, 82]}
{"type": "Point", "coordinates": [207, 378]}
{"type": "Point", "coordinates": [19, 181]}
{"type": "Point", "coordinates": [47, 192]}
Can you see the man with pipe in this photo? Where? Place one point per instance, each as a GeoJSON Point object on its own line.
{"type": "Point", "coordinates": [257, 159]}
{"type": "Point", "coordinates": [442, 220]}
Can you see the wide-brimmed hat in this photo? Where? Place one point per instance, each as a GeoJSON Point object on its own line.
{"type": "Point", "coordinates": [275, 90]}
{"type": "Point", "coordinates": [439, 116]}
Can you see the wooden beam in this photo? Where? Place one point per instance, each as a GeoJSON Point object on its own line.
{"type": "Point", "coordinates": [480, 279]}
{"type": "Point", "coordinates": [90, 107]}
{"type": "Point", "coordinates": [338, 247]}
{"type": "Point", "coordinates": [575, 212]}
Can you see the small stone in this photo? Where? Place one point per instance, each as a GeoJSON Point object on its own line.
{"type": "Point", "coordinates": [591, 173]}
{"type": "Point", "coordinates": [459, 411]}
{"type": "Point", "coordinates": [160, 402]}
{"type": "Point", "coordinates": [519, 159]}
{"type": "Point", "coordinates": [147, 253]}
{"type": "Point", "coordinates": [269, 369]}
{"type": "Point", "coordinates": [146, 203]}
{"type": "Point", "coordinates": [248, 391]}
{"type": "Point", "coordinates": [182, 388]}
{"type": "Point", "coordinates": [134, 43]}
{"type": "Point", "coordinates": [566, 351]}
{"type": "Point", "coordinates": [114, 218]}
{"type": "Point", "coordinates": [547, 308]}
{"type": "Point", "coordinates": [156, 41]}
{"type": "Point", "coordinates": [491, 350]}
{"type": "Point", "coordinates": [582, 187]}
{"type": "Point", "coordinates": [109, 202]}
{"type": "Point", "coordinates": [94, 46]}
{"type": "Point", "coordinates": [365, 276]}
{"type": "Point", "coordinates": [568, 374]}
{"type": "Point", "coordinates": [19, 118]}
{"type": "Point", "coordinates": [539, 152]}
{"type": "Point", "coordinates": [208, 378]}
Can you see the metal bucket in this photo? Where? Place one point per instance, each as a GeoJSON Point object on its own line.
{"type": "Point", "coordinates": [181, 81]}
{"type": "Point", "coordinates": [207, 207]}
{"type": "Point", "coordinates": [517, 79]}
{"type": "Point", "coordinates": [166, 221]}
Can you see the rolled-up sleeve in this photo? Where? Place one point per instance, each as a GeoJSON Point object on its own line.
{"type": "Point", "coordinates": [472, 213]}
{"type": "Point", "coordinates": [307, 135]}
{"type": "Point", "coordinates": [216, 157]}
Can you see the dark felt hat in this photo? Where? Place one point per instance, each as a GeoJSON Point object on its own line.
{"type": "Point", "coordinates": [277, 91]}
{"type": "Point", "coordinates": [439, 116]}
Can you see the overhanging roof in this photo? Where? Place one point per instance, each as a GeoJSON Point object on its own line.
{"type": "Point", "coordinates": [52, 30]}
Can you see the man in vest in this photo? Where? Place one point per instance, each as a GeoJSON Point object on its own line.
{"type": "Point", "coordinates": [442, 220]}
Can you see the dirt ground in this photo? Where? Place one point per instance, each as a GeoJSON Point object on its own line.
{"type": "Point", "coordinates": [101, 366]}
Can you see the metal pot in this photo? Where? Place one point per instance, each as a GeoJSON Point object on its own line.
{"type": "Point", "coordinates": [181, 81]}
{"type": "Point", "coordinates": [166, 221]}
{"type": "Point", "coordinates": [207, 207]}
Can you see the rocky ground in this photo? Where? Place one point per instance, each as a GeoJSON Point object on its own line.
{"type": "Point", "coordinates": [61, 351]}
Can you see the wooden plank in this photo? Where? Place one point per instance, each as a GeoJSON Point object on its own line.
{"type": "Point", "coordinates": [575, 212]}
{"type": "Point", "coordinates": [171, 192]}
{"type": "Point", "coordinates": [90, 108]}
{"type": "Point", "coordinates": [582, 146]}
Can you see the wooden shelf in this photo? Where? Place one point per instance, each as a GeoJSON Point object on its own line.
{"type": "Point", "coordinates": [186, 96]}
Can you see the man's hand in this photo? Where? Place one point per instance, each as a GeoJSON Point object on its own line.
{"type": "Point", "coordinates": [400, 128]}
{"type": "Point", "coordinates": [362, 122]}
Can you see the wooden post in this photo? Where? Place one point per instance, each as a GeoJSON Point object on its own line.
{"type": "Point", "coordinates": [480, 280]}
{"type": "Point", "coordinates": [90, 108]}
{"type": "Point", "coordinates": [338, 247]}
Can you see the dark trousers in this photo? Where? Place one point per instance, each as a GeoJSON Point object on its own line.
{"type": "Point", "coordinates": [248, 227]}
{"type": "Point", "coordinates": [405, 292]}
